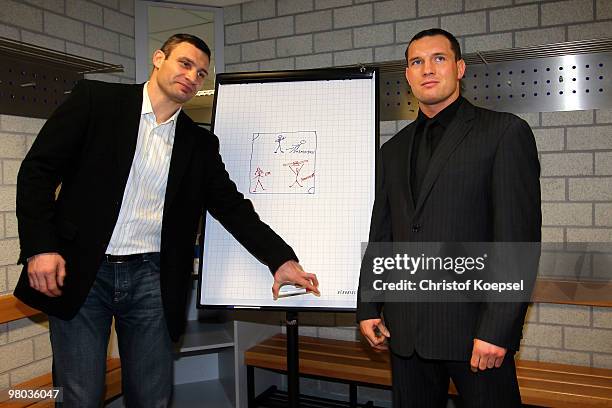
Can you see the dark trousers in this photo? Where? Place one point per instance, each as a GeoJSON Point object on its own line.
{"type": "Point", "coordinates": [129, 292]}
{"type": "Point", "coordinates": [422, 383]}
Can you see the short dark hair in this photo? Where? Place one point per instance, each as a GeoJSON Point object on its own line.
{"type": "Point", "coordinates": [437, 31]}
{"type": "Point", "coordinates": [176, 39]}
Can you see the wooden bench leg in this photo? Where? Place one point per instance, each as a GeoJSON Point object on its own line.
{"type": "Point", "coordinates": [250, 386]}
{"type": "Point", "coordinates": [352, 395]}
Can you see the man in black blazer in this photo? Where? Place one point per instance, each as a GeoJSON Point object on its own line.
{"type": "Point", "coordinates": [458, 173]}
{"type": "Point", "coordinates": [117, 242]}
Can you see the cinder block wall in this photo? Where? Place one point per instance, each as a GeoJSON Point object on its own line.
{"type": "Point", "coordinates": [99, 29]}
{"type": "Point", "coordinates": [575, 147]}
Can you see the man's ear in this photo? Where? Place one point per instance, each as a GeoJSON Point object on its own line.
{"type": "Point", "coordinates": [158, 58]}
{"type": "Point", "coordinates": [460, 68]}
{"type": "Point", "coordinates": [406, 74]}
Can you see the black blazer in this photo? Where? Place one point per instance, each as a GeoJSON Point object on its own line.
{"type": "Point", "coordinates": [482, 185]}
{"type": "Point", "coordinates": [88, 145]}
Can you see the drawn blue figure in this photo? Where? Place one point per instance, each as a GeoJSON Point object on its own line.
{"type": "Point", "coordinates": [296, 147]}
{"type": "Point", "coordinates": [278, 140]}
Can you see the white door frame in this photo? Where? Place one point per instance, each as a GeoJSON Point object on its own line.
{"type": "Point", "coordinates": [141, 28]}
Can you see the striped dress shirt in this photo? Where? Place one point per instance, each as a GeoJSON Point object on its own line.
{"type": "Point", "coordinates": [138, 227]}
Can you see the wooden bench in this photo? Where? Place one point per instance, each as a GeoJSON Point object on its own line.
{"type": "Point", "coordinates": [12, 309]}
{"type": "Point", "coordinates": [355, 363]}
{"type": "Point", "coordinates": [44, 382]}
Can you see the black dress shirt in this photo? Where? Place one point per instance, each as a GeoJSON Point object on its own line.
{"type": "Point", "coordinates": [427, 137]}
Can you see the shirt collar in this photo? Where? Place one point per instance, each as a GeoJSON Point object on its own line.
{"type": "Point", "coordinates": [147, 108]}
{"type": "Point", "coordinates": [445, 116]}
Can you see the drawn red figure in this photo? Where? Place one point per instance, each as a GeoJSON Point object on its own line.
{"type": "Point", "coordinates": [259, 174]}
{"type": "Point", "coordinates": [295, 167]}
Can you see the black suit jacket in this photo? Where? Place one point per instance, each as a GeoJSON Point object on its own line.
{"type": "Point", "coordinates": [88, 145]}
{"type": "Point", "coordinates": [482, 185]}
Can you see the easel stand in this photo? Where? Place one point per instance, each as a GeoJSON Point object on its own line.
{"type": "Point", "coordinates": [275, 398]}
{"type": "Point", "coordinates": [293, 359]}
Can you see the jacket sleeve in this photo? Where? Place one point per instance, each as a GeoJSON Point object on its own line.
{"type": "Point", "coordinates": [517, 217]}
{"type": "Point", "coordinates": [380, 231]}
{"type": "Point", "coordinates": [238, 216]}
{"type": "Point", "coordinates": [45, 166]}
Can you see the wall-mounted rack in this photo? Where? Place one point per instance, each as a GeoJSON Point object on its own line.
{"type": "Point", "coordinates": [35, 80]}
{"type": "Point", "coordinates": [544, 78]}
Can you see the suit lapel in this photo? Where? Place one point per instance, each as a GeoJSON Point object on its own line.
{"type": "Point", "coordinates": [181, 152]}
{"type": "Point", "coordinates": [455, 133]}
{"type": "Point", "coordinates": [127, 136]}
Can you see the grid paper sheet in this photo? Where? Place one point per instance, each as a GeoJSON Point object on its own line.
{"type": "Point", "coordinates": [304, 153]}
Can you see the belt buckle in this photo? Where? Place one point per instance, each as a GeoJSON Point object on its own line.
{"type": "Point", "coordinates": [116, 259]}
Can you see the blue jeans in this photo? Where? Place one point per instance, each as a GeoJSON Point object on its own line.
{"type": "Point", "coordinates": [129, 292]}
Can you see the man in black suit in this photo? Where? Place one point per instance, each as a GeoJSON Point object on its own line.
{"type": "Point", "coordinates": [136, 174]}
{"type": "Point", "coordinates": [458, 173]}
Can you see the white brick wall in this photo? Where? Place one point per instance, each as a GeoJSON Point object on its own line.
{"type": "Point", "coordinates": [554, 214]}
{"type": "Point", "coordinates": [293, 6]}
{"type": "Point", "coordinates": [589, 30]}
{"type": "Point", "coordinates": [540, 36]}
{"type": "Point", "coordinates": [259, 50]}
{"type": "Point", "coordinates": [603, 164]}
{"type": "Point", "coordinates": [326, 4]}
{"type": "Point", "coordinates": [591, 189]}
{"type": "Point", "coordinates": [598, 340]}
{"type": "Point", "coordinates": [565, 357]}
{"type": "Point", "coordinates": [603, 215]}
{"type": "Point", "coordinates": [487, 42]}
{"type": "Point", "coordinates": [353, 16]}
{"type": "Point", "coordinates": [17, 354]}
{"type": "Point", "coordinates": [394, 10]}
{"type": "Point", "coordinates": [482, 4]}
{"type": "Point", "coordinates": [298, 45]}
{"type": "Point", "coordinates": [258, 10]}
{"type": "Point", "coordinates": [353, 57]}
{"type": "Point", "coordinates": [514, 18]}
{"type": "Point", "coordinates": [84, 11]}
{"type": "Point", "coordinates": [553, 189]}
{"type": "Point", "coordinates": [240, 33]}
{"type": "Point", "coordinates": [381, 34]}
{"type": "Point", "coordinates": [391, 52]}
{"type": "Point", "coordinates": [63, 27]}
{"type": "Point", "coordinates": [542, 335]}
{"type": "Point", "coordinates": [564, 12]}
{"type": "Point", "coordinates": [435, 7]}
{"type": "Point", "coordinates": [22, 15]}
{"type": "Point", "coordinates": [567, 164]}
{"type": "Point", "coordinates": [550, 139]}
{"type": "Point", "coordinates": [314, 61]}
{"type": "Point", "coordinates": [53, 5]}
{"type": "Point", "coordinates": [279, 64]}
{"type": "Point", "coordinates": [333, 41]}
{"type": "Point", "coordinates": [405, 30]}
{"type": "Point", "coordinates": [311, 22]}
{"type": "Point", "coordinates": [567, 118]}
{"type": "Point", "coordinates": [564, 314]}
{"type": "Point", "coordinates": [464, 24]}
{"type": "Point", "coordinates": [589, 138]}
{"type": "Point", "coordinates": [3, 283]}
